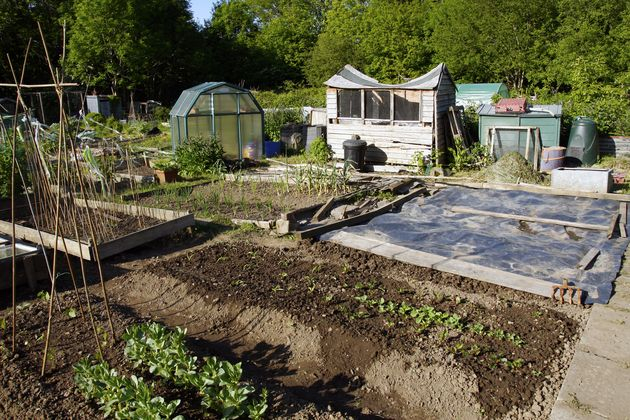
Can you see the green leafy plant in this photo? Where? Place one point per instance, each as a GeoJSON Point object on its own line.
{"type": "Point", "coordinates": [6, 159]}
{"type": "Point", "coordinates": [161, 113]}
{"type": "Point", "coordinates": [124, 398]}
{"type": "Point", "coordinates": [475, 157]}
{"type": "Point", "coordinates": [165, 164]}
{"type": "Point", "coordinates": [277, 118]}
{"type": "Point", "coordinates": [199, 156]}
{"type": "Point", "coordinates": [319, 152]}
{"type": "Point", "coordinates": [164, 353]}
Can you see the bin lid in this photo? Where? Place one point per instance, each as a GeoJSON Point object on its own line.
{"type": "Point", "coordinates": [354, 143]}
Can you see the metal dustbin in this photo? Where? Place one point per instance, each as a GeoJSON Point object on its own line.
{"type": "Point", "coordinates": [354, 153]}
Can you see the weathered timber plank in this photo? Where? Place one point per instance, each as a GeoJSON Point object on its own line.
{"type": "Point", "coordinates": [613, 224]}
{"type": "Point", "coordinates": [539, 189]}
{"type": "Point", "coordinates": [437, 262]}
{"type": "Point", "coordinates": [143, 236]}
{"type": "Point", "coordinates": [309, 233]}
{"type": "Point", "coordinates": [47, 239]}
{"type": "Point", "coordinates": [466, 210]}
{"type": "Point", "coordinates": [588, 258]}
{"type": "Point", "coordinates": [323, 209]}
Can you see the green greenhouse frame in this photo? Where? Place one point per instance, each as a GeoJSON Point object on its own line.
{"type": "Point", "coordinates": [229, 112]}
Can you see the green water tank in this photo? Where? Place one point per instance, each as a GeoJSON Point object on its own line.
{"type": "Point", "coordinates": [583, 146]}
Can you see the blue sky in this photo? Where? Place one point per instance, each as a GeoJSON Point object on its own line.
{"type": "Point", "coordinates": [202, 9]}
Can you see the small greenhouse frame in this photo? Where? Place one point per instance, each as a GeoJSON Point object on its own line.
{"type": "Point", "coordinates": [229, 112]}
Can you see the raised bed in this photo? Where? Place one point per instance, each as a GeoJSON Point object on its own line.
{"type": "Point", "coordinates": [173, 221]}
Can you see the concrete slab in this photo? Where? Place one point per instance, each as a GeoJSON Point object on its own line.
{"type": "Point", "coordinates": [595, 388]}
{"type": "Point", "coordinates": [607, 335]}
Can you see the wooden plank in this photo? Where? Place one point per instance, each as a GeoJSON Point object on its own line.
{"type": "Point", "coordinates": [319, 230]}
{"type": "Point", "coordinates": [448, 265]}
{"type": "Point", "coordinates": [613, 225]}
{"type": "Point", "coordinates": [323, 209]}
{"type": "Point", "coordinates": [47, 239]}
{"type": "Point", "coordinates": [467, 210]}
{"type": "Point", "coordinates": [588, 258]}
{"type": "Point", "coordinates": [143, 236]}
{"type": "Point", "coordinates": [623, 219]}
{"type": "Point", "coordinates": [539, 189]}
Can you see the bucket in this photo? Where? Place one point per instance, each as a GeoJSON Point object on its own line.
{"type": "Point", "coordinates": [272, 148]}
{"type": "Point", "coordinates": [552, 158]}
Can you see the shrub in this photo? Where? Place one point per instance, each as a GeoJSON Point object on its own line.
{"type": "Point", "coordinates": [113, 123]}
{"type": "Point", "coordinates": [6, 158]}
{"type": "Point", "coordinates": [320, 152]}
{"type": "Point", "coordinates": [96, 117]}
{"type": "Point", "coordinates": [161, 113]}
{"type": "Point", "coordinates": [463, 158]}
{"type": "Point", "coordinates": [198, 156]}
{"type": "Point", "coordinates": [165, 164]}
{"type": "Point", "coordinates": [278, 118]}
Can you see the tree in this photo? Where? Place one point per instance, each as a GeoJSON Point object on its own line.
{"type": "Point", "coordinates": [129, 44]}
{"type": "Point", "coordinates": [489, 40]}
{"type": "Point", "coordinates": [18, 24]}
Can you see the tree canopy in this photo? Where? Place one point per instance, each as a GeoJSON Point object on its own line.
{"type": "Point", "coordinates": [575, 51]}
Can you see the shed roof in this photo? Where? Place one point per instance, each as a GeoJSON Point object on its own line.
{"type": "Point", "coordinates": [479, 93]}
{"type": "Point", "coordinates": [188, 97]}
{"type": "Point", "coordinates": [351, 78]}
{"type": "Point", "coordinates": [533, 111]}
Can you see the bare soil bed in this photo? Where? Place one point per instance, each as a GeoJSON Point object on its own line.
{"type": "Point", "coordinates": [300, 320]}
{"type": "Point", "coordinates": [231, 199]}
{"type": "Point", "coordinates": [109, 225]}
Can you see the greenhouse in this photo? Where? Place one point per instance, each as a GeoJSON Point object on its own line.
{"type": "Point", "coordinates": [227, 111]}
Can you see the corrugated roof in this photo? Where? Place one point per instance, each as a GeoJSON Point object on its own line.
{"type": "Point", "coordinates": [351, 78]}
{"type": "Point", "coordinates": [533, 111]}
{"type": "Point", "coordinates": [480, 88]}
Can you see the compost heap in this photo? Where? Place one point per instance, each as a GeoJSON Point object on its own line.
{"type": "Point", "coordinates": [512, 168]}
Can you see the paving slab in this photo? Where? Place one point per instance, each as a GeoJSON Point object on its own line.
{"type": "Point", "coordinates": [597, 385]}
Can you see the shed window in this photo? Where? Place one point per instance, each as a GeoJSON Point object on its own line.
{"type": "Point", "coordinates": [406, 105]}
{"type": "Point", "coordinates": [349, 103]}
{"type": "Point", "coordinates": [377, 104]}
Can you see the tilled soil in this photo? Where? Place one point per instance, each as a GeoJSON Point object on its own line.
{"type": "Point", "coordinates": [26, 395]}
{"type": "Point", "coordinates": [363, 350]}
{"type": "Point", "coordinates": [290, 314]}
{"type": "Point", "coordinates": [250, 200]}
{"type": "Point", "coordinates": [108, 225]}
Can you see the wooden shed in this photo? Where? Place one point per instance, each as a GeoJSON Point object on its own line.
{"type": "Point", "coordinates": [396, 120]}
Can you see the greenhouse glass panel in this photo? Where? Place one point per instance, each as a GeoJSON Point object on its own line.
{"type": "Point", "coordinates": [202, 105]}
{"type": "Point", "coordinates": [251, 135]}
{"type": "Point", "coordinates": [182, 129]}
{"type": "Point", "coordinates": [225, 103]}
{"type": "Point", "coordinates": [406, 105]}
{"type": "Point", "coordinates": [247, 104]}
{"type": "Point", "coordinates": [227, 133]}
{"type": "Point", "coordinates": [200, 126]}
{"type": "Point", "coordinates": [377, 104]}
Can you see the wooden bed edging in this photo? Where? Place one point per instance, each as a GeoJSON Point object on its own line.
{"type": "Point", "coordinates": [309, 233]}
{"type": "Point", "coordinates": [173, 221]}
{"type": "Point", "coordinates": [448, 265]}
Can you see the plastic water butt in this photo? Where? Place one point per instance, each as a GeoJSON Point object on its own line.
{"type": "Point", "coordinates": [354, 153]}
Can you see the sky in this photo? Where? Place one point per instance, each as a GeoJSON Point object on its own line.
{"type": "Point", "coordinates": [202, 9]}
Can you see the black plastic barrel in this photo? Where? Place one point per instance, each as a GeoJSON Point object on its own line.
{"type": "Point", "coordinates": [583, 146]}
{"type": "Point", "coordinates": [354, 153]}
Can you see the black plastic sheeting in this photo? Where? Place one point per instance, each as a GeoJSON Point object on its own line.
{"type": "Point", "coordinates": [544, 251]}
